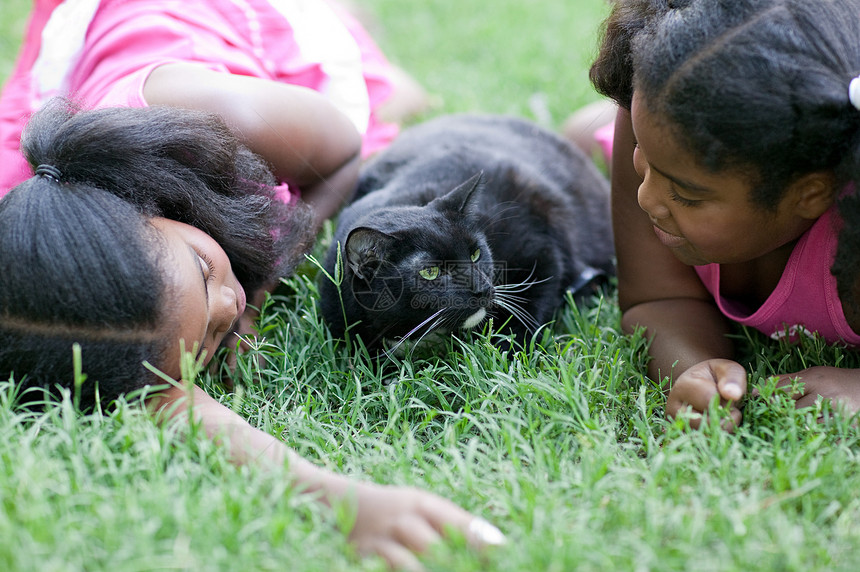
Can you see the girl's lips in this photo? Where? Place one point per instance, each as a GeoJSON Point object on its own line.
{"type": "Point", "coordinates": [668, 240]}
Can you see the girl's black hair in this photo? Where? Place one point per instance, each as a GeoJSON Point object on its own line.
{"type": "Point", "coordinates": [612, 70]}
{"type": "Point", "coordinates": [79, 262]}
{"type": "Point", "coordinates": [759, 87]}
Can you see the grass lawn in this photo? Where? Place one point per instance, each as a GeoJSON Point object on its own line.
{"type": "Point", "coordinates": [563, 446]}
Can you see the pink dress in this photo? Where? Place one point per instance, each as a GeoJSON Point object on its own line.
{"type": "Point", "coordinates": [100, 52]}
{"type": "Point", "coordinates": [604, 136]}
{"type": "Point", "coordinates": [805, 300]}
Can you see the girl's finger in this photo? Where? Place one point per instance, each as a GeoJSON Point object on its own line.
{"type": "Point", "coordinates": [736, 418]}
{"type": "Point", "coordinates": [482, 533]}
{"type": "Point", "coordinates": [696, 392]}
{"type": "Point", "coordinates": [785, 382]}
{"type": "Point", "coordinates": [693, 417]}
{"type": "Point", "coordinates": [415, 533]}
{"type": "Point", "coordinates": [397, 556]}
{"type": "Point", "coordinates": [443, 514]}
{"type": "Point", "coordinates": [731, 379]}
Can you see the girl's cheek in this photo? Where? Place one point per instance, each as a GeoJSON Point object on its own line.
{"type": "Point", "coordinates": [639, 163]}
{"type": "Point", "coordinates": [645, 200]}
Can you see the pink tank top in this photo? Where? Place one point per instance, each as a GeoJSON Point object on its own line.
{"type": "Point", "coordinates": [805, 299]}
{"type": "Point", "coordinates": [100, 52]}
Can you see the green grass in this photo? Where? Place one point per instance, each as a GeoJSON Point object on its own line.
{"type": "Point", "coordinates": [13, 17]}
{"type": "Point", "coordinates": [563, 446]}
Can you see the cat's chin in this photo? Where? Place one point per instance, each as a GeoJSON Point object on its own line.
{"type": "Point", "coordinates": [474, 319]}
{"type": "Point", "coordinates": [429, 343]}
{"type": "Point", "coordinates": [433, 339]}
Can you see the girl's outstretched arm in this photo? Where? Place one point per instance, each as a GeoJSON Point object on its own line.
{"type": "Point", "coordinates": [658, 292]}
{"type": "Point", "coordinates": [394, 522]}
{"type": "Point", "coordinates": [304, 138]}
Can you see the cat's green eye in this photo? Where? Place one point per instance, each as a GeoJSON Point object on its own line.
{"type": "Point", "coordinates": [429, 273]}
{"type": "Point", "coordinates": [476, 255]}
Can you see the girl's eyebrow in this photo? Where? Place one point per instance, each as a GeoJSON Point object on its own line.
{"type": "Point", "coordinates": [685, 184]}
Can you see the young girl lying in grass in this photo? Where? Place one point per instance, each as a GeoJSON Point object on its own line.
{"type": "Point", "coordinates": [155, 226]}
{"type": "Point", "coordinates": [150, 225]}
{"type": "Point", "coordinates": [299, 83]}
{"type": "Point", "coordinates": [735, 162]}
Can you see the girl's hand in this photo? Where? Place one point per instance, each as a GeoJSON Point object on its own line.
{"type": "Point", "coordinates": [398, 522]}
{"type": "Point", "coordinates": [838, 384]}
{"type": "Point", "coordinates": [698, 386]}
{"type": "Point", "coordinates": [394, 522]}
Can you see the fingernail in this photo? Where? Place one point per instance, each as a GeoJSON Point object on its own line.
{"type": "Point", "coordinates": [733, 391]}
{"type": "Point", "coordinates": [486, 533]}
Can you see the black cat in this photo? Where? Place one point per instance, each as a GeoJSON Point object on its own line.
{"type": "Point", "coordinates": [462, 219]}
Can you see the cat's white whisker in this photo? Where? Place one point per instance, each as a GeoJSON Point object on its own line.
{"type": "Point", "coordinates": [405, 337]}
{"type": "Point", "coordinates": [438, 323]}
{"type": "Point", "coordinates": [524, 285]}
{"type": "Point", "coordinates": [512, 297]}
{"type": "Point", "coordinates": [517, 312]}
{"type": "Point", "coordinates": [441, 321]}
{"type": "Point", "coordinates": [510, 306]}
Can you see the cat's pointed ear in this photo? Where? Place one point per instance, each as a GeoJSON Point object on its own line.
{"type": "Point", "coordinates": [365, 249]}
{"type": "Point", "coordinates": [459, 198]}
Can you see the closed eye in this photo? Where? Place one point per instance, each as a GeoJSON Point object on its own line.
{"type": "Point", "coordinates": [673, 194]}
{"type": "Point", "coordinates": [206, 275]}
{"type": "Point", "coordinates": [210, 265]}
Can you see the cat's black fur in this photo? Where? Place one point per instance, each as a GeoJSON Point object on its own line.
{"type": "Point", "coordinates": [533, 208]}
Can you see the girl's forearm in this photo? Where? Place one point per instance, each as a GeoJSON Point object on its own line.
{"type": "Point", "coordinates": [245, 444]}
{"type": "Point", "coordinates": [328, 195]}
{"type": "Point", "coordinates": [248, 445]}
{"type": "Point", "coordinates": [302, 136]}
{"type": "Point", "coordinates": [683, 332]}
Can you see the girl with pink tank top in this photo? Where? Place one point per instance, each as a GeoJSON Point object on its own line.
{"type": "Point", "coordinates": [734, 162]}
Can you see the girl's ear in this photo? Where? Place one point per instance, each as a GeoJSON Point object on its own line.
{"type": "Point", "coordinates": [813, 193]}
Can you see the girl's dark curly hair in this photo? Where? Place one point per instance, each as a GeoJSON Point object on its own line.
{"type": "Point", "coordinates": [79, 262]}
{"type": "Point", "coordinates": [758, 87]}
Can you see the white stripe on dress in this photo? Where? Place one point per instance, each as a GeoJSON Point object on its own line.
{"type": "Point", "coordinates": [323, 38]}
{"type": "Point", "coordinates": [63, 39]}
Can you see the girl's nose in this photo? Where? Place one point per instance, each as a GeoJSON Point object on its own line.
{"type": "Point", "coordinates": [224, 313]}
{"type": "Point", "coordinates": [651, 201]}
{"type": "Point", "coordinates": [648, 196]}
